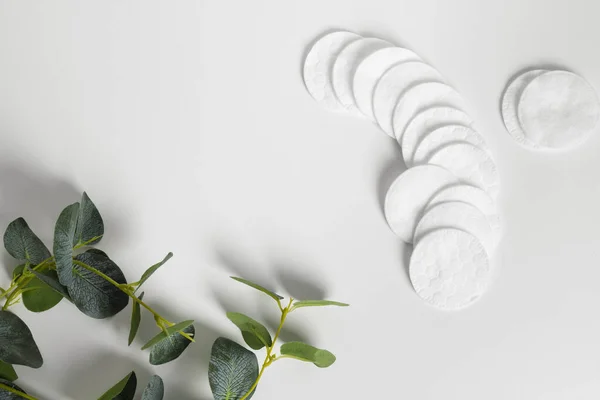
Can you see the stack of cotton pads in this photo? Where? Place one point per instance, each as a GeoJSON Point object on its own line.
{"type": "Point", "coordinates": [445, 203]}
{"type": "Point", "coordinates": [550, 109]}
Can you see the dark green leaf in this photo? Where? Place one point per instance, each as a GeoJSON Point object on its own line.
{"type": "Point", "coordinates": [155, 389]}
{"type": "Point", "coordinates": [90, 227]}
{"type": "Point", "coordinates": [318, 303]}
{"type": "Point", "coordinates": [38, 296]}
{"type": "Point", "coordinates": [17, 345]}
{"type": "Point", "coordinates": [7, 372]}
{"type": "Point", "coordinates": [64, 234]}
{"type": "Point", "coordinates": [136, 317]}
{"type": "Point", "coordinates": [274, 295]}
{"type": "Point", "coordinates": [123, 390]}
{"type": "Point", "coordinates": [171, 347]}
{"type": "Point", "coordinates": [23, 244]}
{"type": "Point", "coordinates": [170, 330]}
{"type": "Point", "coordinates": [97, 251]}
{"type": "Point", "coordinates": [232, 371]}
{"type": "Point", "coordinates": [153, 269]}
{"type": "Point", "coordinates": [6, 395]}
{"type": "Point", "coordinates": [53, 283]}
{"type": "Point", "coordinates": [254, 333]}
{"type": "Point", "coordinates": [91, 293]}
{"type": "Point", "coordinates": [304, 352]}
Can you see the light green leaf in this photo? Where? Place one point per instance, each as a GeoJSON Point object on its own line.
{"type": "Point", "coordinates": [170, 330]}
{"type": "Point", "coordinates": [304, 352]}
{"type": "Point", "coordinates": [38, 296]}
{"type": "Point", "coordinates": [232, 371]}
{"type": "Point", "coordinates": [136, 317]}
{"type": "Point", "coordinates": [318, 303]}
{"type": "Point", "coordinates": [155, 389]}
{"type": "Point", "coordinates": [23, 244]}
{"type": "Point", "coordinates": [254, 333]}
{"type": "Point", "coordinates": [273, 295]}
{"type": "Point", "coordinates": [7, 372]}
{"type": "Point", "coordinates": [90, 226]}
{"type": "Point", "coordinates": [6, 395]}
{"type": "Point", "coordinates": [92, 294]}
{"type": "Point", "coordinates": [171, 347]}
{"type": "Point", "coordinates": [17, 345]}
{"type": "Point", "coordinates": [64, 235]}
{"type": "Point", "coordinates": [123, 390]}
{"type": "Point", "coordinates": [153, 269]}
{"type": "Point", "coordinates": [52, 282]}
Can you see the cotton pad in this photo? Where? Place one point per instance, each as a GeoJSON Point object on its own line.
{"type": "Point", "coordinates": [427, 121]}
{"type": "Point", "coordinates": [392, 86]}
{"type": "Point", "coordinates": [457, 215]}
{"type": "Point", "coordinates": [370, 71]}
{"type": "Point", "coordinates": [450, 269]}
{"type": "Point", "coordinates": [558, 110]}
{"type": "Point", "coordinates": [474, 196]}
{"type": "Point", "coordinates": [510, 100]}
{"type": "Point", "coordinates": [345, 66]}
{"type": "Point", "coordinates": [319, 64]}
{"type": "Point", "coordinates": [443, 136]}
{"type": "Point", "coordinates": [419, 98]}
{"type": "Point", "coordinates": [410, 193]}
{"type": "Point", "coordinates": [471, 164]}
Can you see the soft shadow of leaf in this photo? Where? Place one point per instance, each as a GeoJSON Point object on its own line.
{"type": "Point", "coordinates": [300, 285]}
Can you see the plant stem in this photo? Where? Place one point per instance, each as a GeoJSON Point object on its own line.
{"type": "Point", "coordinates": [13, 291]}
{"type": "Point", "coordinates": [15, 391]}
{"type": "Point", "coordinates": [268, 358]}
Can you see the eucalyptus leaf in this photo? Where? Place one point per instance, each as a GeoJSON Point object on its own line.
{"type": "Point", "coordinates": [90, 226]}
{"type": "Point", "coordinates": [273, 295]}
{"type": "Point", "coordinates": [153, 269]}
{"type": "Point", "coordinates": [7, 372]}
{"type": "Point", "coordinates": [171, 347]}
{"type": "Point", "coordinates": [17, 345]}
{"type": "Point", "coordinates": [155, 389]}
{"type": "Point", "coordinates": [170, 330]}
{"type": "Point", "coordinates": [38, 296]}
{"type": "Point", "coordinates": [318, 303]}
{"type": "Point", "coordinates": [304, 352]}
{"type": "Point", "coordinates": [254, 333]}
{"type": "Point", "coordinates": [232, 370]}
{"type": "Point", "coordinates": [64, 234]}
{"type": "Point", "coordinates": [52, 282]}
{"type": "Point", "coordinates": [92, 294]}
{"type": "Point", "coordinates": [136, 318]}
{"type": "Point", "coordinates": [6, 395]}
{"type": "Point", "coordinates": [23, 244]}
{"type": "Point", "coordinates": [123, 390]}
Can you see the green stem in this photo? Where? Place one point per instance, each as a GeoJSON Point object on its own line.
{"type": "Point", "coordinates": [268, 358]}
{"type": "Point", "coordinates": [14, 290]}
{"type": "Point", "coordinates": [15, 391]}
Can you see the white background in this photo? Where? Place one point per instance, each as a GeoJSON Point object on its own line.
{"type": "Point", "coordinates": [188, 124]}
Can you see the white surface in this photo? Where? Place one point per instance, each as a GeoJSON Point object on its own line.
{"type": "Point", "coordinates": [189, 124]}
{"type": "Point", "coordinates": [443, 136]}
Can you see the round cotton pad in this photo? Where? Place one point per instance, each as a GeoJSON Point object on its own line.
{"type": "Point", "coordinates": [427, 121]}
{"type": "Point", "coordinates": [474, 196]}
{"type": "Point", "coordinates": [345, 66]}
{"type": "Point", "coordinates": [443, 136]}
{"type": "Point", "coordinates": [319, 64]}
{"type": "Point", "coordinates": [457, 215]}
{"type": "Point", "coordinates": [419, 98]}
{"type": "Point", "coordinates": [558, 110]}
{"type": "Point", "coordinates": [410, 193]}
{"type": "Point", "coordinates": [471, 164]}
{"type": "Point", "coordinates": [510, 100]}
{"type": "Point", "coordinates": [393, 85]}
{"type": "Point", "coordinates": [450, 269]}
{"type": "Point", "coordinates": [370, 71]}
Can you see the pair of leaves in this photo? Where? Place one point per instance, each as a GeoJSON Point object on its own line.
{"type": "Point", "coordinates": [17, 345]}
{"type": "Point", "coordinates": [232, 371]}
{"type": "Point", "coordinates": [254, 333]}
{"type": "Point", "coordinates": [37, 295]}
{"type": "Point", "coordinates": [304, 352]}
{"type": "Point", "coordinates": [125, 389]}
{"type": "Point", "coordinates": [169, 345]}
{"type": "Point", "coordinates": [6, 395]}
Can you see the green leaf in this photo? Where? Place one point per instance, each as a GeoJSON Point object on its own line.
{"type": "Point", "coordinates": [318, 303]}
{"type": "Point", "coordinates": [136, 317]}
{"type": "Point", "coordinates": [6, 395]}
{"type": "Point", "coordinates": [23, 244]}
{"type": "Point", "coordinates": [17, 345]}
{"type": "Point", "coordinates": [91, 293]}
{"type": "Point", "coordinates": [153, 269]}
{"type": "Point", "coordinates": [52, 282]}
{"type": "Point", "coordinates": [232, 371]}
{"type": "Point", "coordinates": [170, 330]}
{"type": "Point", "coordinates": [123, 390]}
{"type": "Point", "coordinates": [155, 389]}
{"type": "Point", "coordinates": [304, 352]}
{"type": "Point", "coordinates": [90, 226]}
{"type": "Point", "coordinates": [254, 333]}
{"type": "Point", "coordinates": [64, 234]}
{"type": "Point", "coordinates": [171, 347]}
{"type": "Point", "coordinates": [273, 295]}
{"type": "Point", "coordinates": [7, 372]}
{"type": "Point", "coordinates": [38, 296]}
